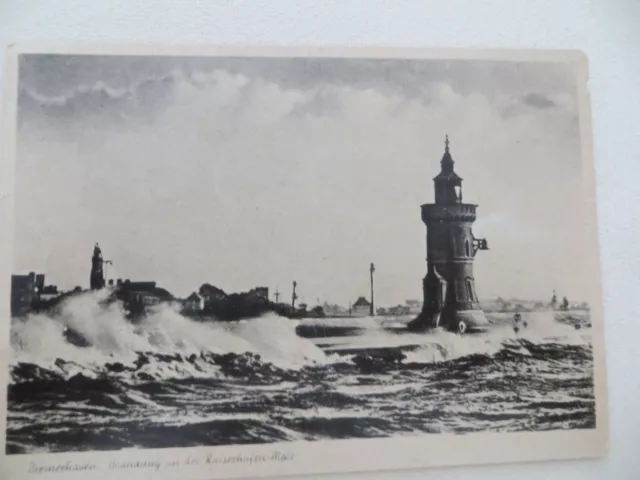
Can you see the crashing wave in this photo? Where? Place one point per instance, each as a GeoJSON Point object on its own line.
{"type": "Point", "coordinates": [167, 345]}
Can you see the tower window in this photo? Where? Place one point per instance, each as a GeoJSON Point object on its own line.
{"type": "Point", "coordinates": [467, 248]}
{"type": "Point", "coordinates": [469, 290]}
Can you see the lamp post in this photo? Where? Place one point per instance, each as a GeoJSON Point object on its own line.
{"type": "Point", "coordinates": [294, 296]}
{"type": "Point", "coordinates": [372, 269]}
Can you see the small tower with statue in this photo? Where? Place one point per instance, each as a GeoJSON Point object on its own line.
{"type": "Point", "coordinates": [449, 288]}
{"type": "Point", "coordinates": [96, 279]}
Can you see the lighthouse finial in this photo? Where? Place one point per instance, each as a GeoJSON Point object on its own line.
{"type": "Point", "coordinates": [446, 143]}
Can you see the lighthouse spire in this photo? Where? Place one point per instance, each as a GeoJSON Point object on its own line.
{"type": "Point", "coordinates": [446, 163]}
{"type": "Point", "coordinates": [447, 183]}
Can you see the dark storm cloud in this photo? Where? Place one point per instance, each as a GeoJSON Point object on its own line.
{"type": "Point", "coordinates": [132, 86]}
{"type": "Point", "coordinates": [318, 141]}
{"type": "Point", "coordinates": [78, 93]}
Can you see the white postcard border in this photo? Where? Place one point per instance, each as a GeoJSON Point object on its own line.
{"type": "Point", "coordinates": [333, 456]}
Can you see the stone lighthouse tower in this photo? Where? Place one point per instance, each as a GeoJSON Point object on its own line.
{"type": "Point", "coordinates": [450, 298]}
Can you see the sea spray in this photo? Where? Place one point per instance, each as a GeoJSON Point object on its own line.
{"type": "Point", "coordinates": [42, 338]}
{"type": "Point", "coordinates": [154, 346]}
{"type": "Point", "coordinates": [165, 344]}
{"type": "Point", "coordinates": [274, 337]}
{"type": "Point", "coordinates": [439, 345]}
{"type": "Point", "coordinates": [167, 331]}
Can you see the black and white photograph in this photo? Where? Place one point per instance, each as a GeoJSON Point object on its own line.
{"type": "Point", "coordinates": [245, 249]}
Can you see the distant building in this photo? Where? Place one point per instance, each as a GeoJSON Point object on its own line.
{"type": "Point", "coordinates": [262, 292]}
{"type": "Point", "coordinates": [28, 292]}
{"type": "Point", "coordinates": [194, 302]}
{"type": "Point", "coordinates": [211, 295]}
{"type": "Point", "coordinates": [399, 310]}
{"type": "Point", "coordinates": [361, 308]}
{"type": "Point", "coordinates": [48, 292]}
{"type": "Point", "coordinates": [39, 283]}
{"type": "Point", "coordinates": [23, 293]}
{"type": "Point", "coordinates": [317, 312]}
{"type": "Point", "coordinates": [137, 296]}
{"type": "Point", "coordinates": [334, 310]}
{"type": "Point", "coordinates": [209, 292]}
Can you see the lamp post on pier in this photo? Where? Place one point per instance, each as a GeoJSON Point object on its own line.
{"type": "Point", "coordinates": [294, 296]}
{"type": "Point", "coordinates": [372, 269]}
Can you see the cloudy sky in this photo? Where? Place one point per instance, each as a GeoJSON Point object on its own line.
{"type": "Point", "coordinates": [246, 172]}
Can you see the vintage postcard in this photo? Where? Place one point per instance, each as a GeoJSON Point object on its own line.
{"type": "Point", "coordinates": [247, 262]}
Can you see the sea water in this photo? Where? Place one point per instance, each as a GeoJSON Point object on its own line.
{"type": "Point", "coordinates": [168, 381]}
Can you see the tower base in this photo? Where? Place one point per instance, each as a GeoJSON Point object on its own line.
{"type": "Point", "coordinates": [467, 321]}
{"type": "Point", "coordinates": [423, 322]}
{"type": "Point", "coordinates": [460, 321]}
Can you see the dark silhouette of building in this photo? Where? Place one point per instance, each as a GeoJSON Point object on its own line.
{"type": "Point", "coordinates": [399, 310]}
{"type": "Point", "coordinates": [234, 306]}
{"type": "Point", "coordinates": [450, 298]}
{"type": "Point", "coordinates": [146, 292]}
{"type": "Point", "coordinates": [211, 295]}
{"type": "Point", "coordinates": [23, 293]}
{"type": "Point", "coordinates": [29, 293]}
{"type": "Point", "coordinates": [96, 279]}
{"type": "Point", "coordinates": [262, 292]}
{"type": "Point", "coordinates": [138, 297]}
{"type": "Point", "coordinates": [193, 303]}
{"type": "Point", "coordinates": [317, 312]}
{"type": "Point", "coordinates": [361, 307]}
{"type": "Point", "coordinates": [39, 283]}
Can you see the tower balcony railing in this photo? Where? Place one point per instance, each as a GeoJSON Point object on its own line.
{"type": "Point", "coordinates": [465, 212]}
